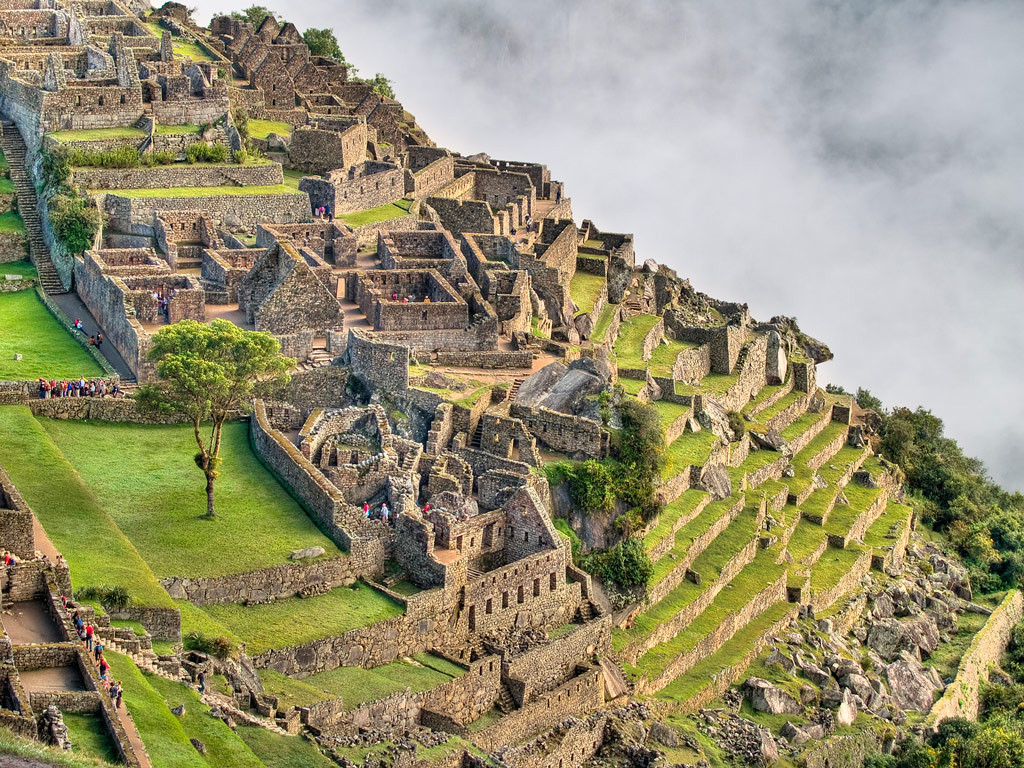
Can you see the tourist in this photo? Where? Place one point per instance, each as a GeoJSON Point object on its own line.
{"type": "Point", "coordinates": [104, 666]}
{"type": "Point", "coordinates": [327, 210]}
{"type": "Point", "coordinates": [42, 389]}
{"type": "Point", "coordinates": [426, 299]}
{"type": "Point", "coordinates": [202, 683]}
{"type": "Point", "coordinates": [92, 341]}
{"type": "Point", "coordinates": [120, 691]}
{"type": "Point", "coordinates": [79, 624]}
{"type": "Point", "coordinates": [426, 507]}
{"type": "Point", "coordinates": [366, 510]}
{"type": "Point", "coordinates": [99, 339]}
{"type": "Point", "coordinates": [89, 631]}
{"type": "Point", "coordinates": [98, 651]}
{"type": "Point", "coordinates": [384, 512]}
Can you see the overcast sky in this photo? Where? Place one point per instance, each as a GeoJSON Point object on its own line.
{"type": "Point", "coordinates": [858, 164]}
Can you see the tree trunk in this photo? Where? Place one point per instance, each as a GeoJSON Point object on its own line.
{"type": "Point", "coordinates": [210, 477]}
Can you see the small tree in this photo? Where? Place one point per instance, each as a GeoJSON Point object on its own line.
{"type": "Point", "coordinates": [382, 86]}
{"type": "Point", "coordinates": [254, 14]}
{"type": "Point", "coordinates": [322, 42]}
{"type": "Point", "coordinates": [75, 221]}
{"type": "Point", "coordinates": [206, 372]}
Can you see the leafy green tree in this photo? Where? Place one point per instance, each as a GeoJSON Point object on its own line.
{"type": "Point", "coordinates": [865, 399]}
{"type": "Point", "coordinates": [207, 372]}
{"type": "Point", "coordinates": [254, 14]}
{"type": "Point", "coordinates": [75, 221]}
{"type": "Point", "coordinates": [382, 86]}
{"type": "Point", "coordinates": [627, 563]}
{"type": "Point", "coordinates": [591, 486]}
{"type": "Point", "coordinates": [322, 42]}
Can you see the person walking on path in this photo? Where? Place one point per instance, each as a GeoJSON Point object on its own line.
{"type": "Point", "coordinates": [98, 651]}
{"type": "Point", "coordinates": [202, 683]}
{"type": "Point", "coordinates": [88, 635]}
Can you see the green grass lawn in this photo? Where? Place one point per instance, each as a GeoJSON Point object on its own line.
{"type": "Point", "coordinates": [4, 165]}
{"type": "Point", "coordinates": [356, 686]}
{"type": "Point", "coordinates": [689, 449]}
{"type": "Point", "coordinates": [277, 751]}
{"type": "Point", "coordinates": [584, 291]}
{"type": "Point", "coordinates": [681, 507]}
{"type": "Point", "coordinates": [42, 754]}
{"type": "Point", "coordinates": [664, 355]}
{"type": "Point", "coordinates": [380, 213]}
{"type": "Point", "coordinates": [99, 134]}
{"type": "Point", "coordinates": [47, 349]}
{"type": "Point", "coordinates": [176, 130]}
{"type": "Point", "coordinates": [292, 177]}
{"type": "Point", "coordinates": [603, 322]}
{"type": "Point", "coordinates": [146, 478]}
{"type": "Point", "coordinates": [6, 185]}
{"type": "Point", "coordinates": [90, 737]}
{"type": "Point", "coordinates": [97, 551]}
{"type": "Point", "coordinates": [295, 621]}
{"type": "Point", "coordinates": [261, 129]}
{"type": "Point", "coordinates": [161, 732]}
{"type": "Point", "coordinates": [192, 50]}
{"type": "Point", "coordinates": [24, 268]}
{"type": "Point", "coordinates": [629, 345]}
{"type": "Point", "coordinates": [269, 189]}
{"type": "Point", "coordinates": [223, 746]}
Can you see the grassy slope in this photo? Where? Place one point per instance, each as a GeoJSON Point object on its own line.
{"type": "Point", "coordinates": [300, 620]}
{"type": "Point", "coordinates": [223, 746]}
{"type": "Point", "coordinates": [99, 134]}
{"type": "Point", "coordinates": [261, 129]}
{"type": "Point", "coordinates": [11, 222]}
{"type": "Point", "coordinates": [98, 553]}
{"type": "Point", "coordinates": [161, 732]}
{"type": "Point", "coordinates": [283, 751]}
{"type": "Point", "coordinates": [584, 290]}
{"type": "Point", "coordinates": [47, 349]}
{"type": "Point", "coordinates": [25, 268]}
{"type": "Point", "coordinates": [259, 524]}
{"type": "Point", "coordinates": [629, 344]}
{"type": "Point", "coordinates": [89, 736]}
{"type": "Point", "coordinates": [380, 213]}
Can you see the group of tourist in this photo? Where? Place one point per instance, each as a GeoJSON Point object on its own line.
{"type": "Point", "coordinates": [383, 513]}
{"type": "Point", "coordinates": [163, 300]}
{"type": "Point", "coordinates": [87, 634]}
{"type": "Point", "coordinates": [410, 299]}
{"type": "Point", "coordinates": [324, 212]}
{"type": "Point", "coordinates": [76, 388]}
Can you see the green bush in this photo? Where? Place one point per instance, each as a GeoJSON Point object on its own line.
{"type": "Point", "coordinates": [163, 157]}
{"type": "Point", "coordinates": [56, 168]}
{"type": "Point", "coordinates": [736, 424]}
{"type": "Point", "coordinates": [591, 486]}
{"type": "Point", "coordinates": [241, 156]}
{"type": "Point", "coordinates": [75, 221]}
{"type": "Point", "coordinates": [220, 647]}
{"type": "Point", "coordinates": [121, 156]}
{"type": "Point", "coordinates": [626, 564]}
{"type": "Point", "coordinates": [201, 152]}
{"type": "Point", "coordinates": [111, 598]}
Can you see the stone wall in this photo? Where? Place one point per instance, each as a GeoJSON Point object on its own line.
{"type": "Point", "coordinates": [135, 214]}
{"type": "Point", "coordinates": [539, 670]}
{"type": "Point", "coordinates": [380, 364]}
{"type": "Point", "coordinates": [961, 697]}
{"type": "Point", "coordinates": [161, 176]}
{"type": "Point", "coordinates": [579, 695]}
{"type": "Point", "coordinates": [264, 585]}
{"type": "Point", "coordinates": [16, 531]}
{"type": "Point", "coordinates": [119, 409]}
{"type": "Point", "coordinates": [562, 432]}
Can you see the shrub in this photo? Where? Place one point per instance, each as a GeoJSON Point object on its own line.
{"type": "Point", "coordinates": [56, 168]}
{"type": "Point", "coordinates": [75, 221]}
{"type": "Point", "coordinates": [164, 157]}
{"type": "Point", "coordinates": [736, 424]}
{"type": "Point", "coordinates": [111, 598]}
{"type": "Point", "coordinates": [122, 156]}
{"type": "Point", "coordinates": [642, 443]}
{"type": "Point", "coordinates": [201, 152]}
{"type": "Point", "coordinates": [241, 156]}
{"type": "Point", "coordinates": [591, 486]}
{"type": "Point", "coordinates": [219, 647]}
{"type": "Point", "coordinates": [626, 564]}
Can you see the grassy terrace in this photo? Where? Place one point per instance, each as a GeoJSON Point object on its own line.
{"type": "Point", "coordinates": [754, 461]}
{"type": "Point", "coordinates": [783, 403]}
{"type": "Point", "coordinates": [584, 291]}
{"type": "Point", "coordinates": [261, 129]}
{"type": "Point", "coordinates": [99, 134]}
{"type": "Point", "coordinates": [223, 191]}
{"type": "Point", "coordinates": [832, 472]}
{"type": "Point", "coordinates": [27, 328]}
{"type": "Point", "coordinates": [729, 655]}
{"type": "Point", "coordinates": [765, 392]}
{"type": "Point", "coordinates": [631, 386]}
{"type": "Point", "coordinates": [6, 185]}
{"type": "Point", "coordinates": [804, 423]}
{"type": "Point", "coordinates": [804, 475]}
{"type": "Point", "coordinates": [176, 130]}
{"type": "Point", "coordinates": [681, 507]}
{"type": "Point", "coordinates": [806, 539]}
{"type": "Point", "coordinates": [380, 213]}
{"type": "Point", "coordinates": [603, 322]}
{"type": "Point", "coordinates": [710, 562]}
{"type": "Point", "coordinates": [629, 345]}
{"type": "Point", "coordinates": [295, 620]}
{"type": "Point", "coordinates": [97, 551]}
{"type": "Point", "coordinates": [832, 566]}
{"type": "Point", "coordinates": [89, 736]}
{"type": "Point", "coordinates": [356, 686]}
{"type": "Point", "coordinates": [157, 496]}
{"type": "Point", "coordinates": [712, 384]}
{"type": "Point", "coordinates": [690, 448]}
{"type": "Point", "coordinates": [669, 412]}
{"type": "Point", "coordinates": [664, 357]}
{"type": "Point", "coordinates": [292, 177]}
{"type": "Point", "coordinates": [733, 596]}
{"type": "Point", "coordinates": [892, 521]}
{"type": "Point", "coordinates": [279, 751]}
{"type": "Point", "coordinates": [11, 222]}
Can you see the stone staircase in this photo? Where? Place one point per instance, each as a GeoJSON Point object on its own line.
{"type": "Point", "coordinates": [514, 389]}
{"type": "Point", "coordinates": [505, 701]}
{"type": "Point", "coordinates": [28, 207]}
{"type": "Point", "coordinates": [318, 358]}
{"type": "Point", "coordinates": [477, 435]}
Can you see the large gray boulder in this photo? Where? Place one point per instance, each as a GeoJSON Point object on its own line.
{"type": "Point", "coordinates": [818, 676]}
{"type": "Point", "coordinates": [911, 684]}
{"type": "Point", "coordinates": [775, 367]}
{"type": "Point", "coordinates": [766, 697]}
{"type": "Point", "coordinates": [887, 637]}
{"type": "Point", "coordinates": [714, 479]}
{"type": "Point", "coordinates": [847, 711]}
